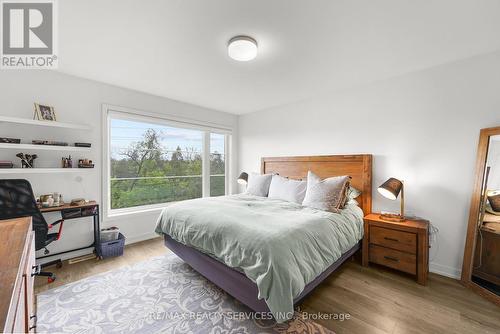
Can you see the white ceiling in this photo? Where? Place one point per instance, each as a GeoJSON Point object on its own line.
{"type": "Point", "coordinates": [177, 48]}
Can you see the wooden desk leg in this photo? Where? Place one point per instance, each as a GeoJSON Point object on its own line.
{"type": "Point", "coordinates": [97, 234]}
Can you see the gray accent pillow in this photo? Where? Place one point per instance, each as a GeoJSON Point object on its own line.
{"type": "Point", "coordinates": [328, 194]}
{"type": "Point", "coordinates": [287, 189]}
{"type": "Point", "coordinates": [352, 193]}
{"type": "Point", "coordinates": [258, 185]}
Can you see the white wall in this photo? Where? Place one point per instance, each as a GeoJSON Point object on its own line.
{"type": "Point", "coordinates": [79, 101]}
{"type": "Point", "coordinates": [422, 127]}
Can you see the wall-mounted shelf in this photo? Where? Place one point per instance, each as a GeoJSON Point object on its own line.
{"type": "Point", "coordinates": [43, 147]}
{"type": "Point", "coordinates": [17, 120]}
{"type": "Point", "coordinates": [42, 170]}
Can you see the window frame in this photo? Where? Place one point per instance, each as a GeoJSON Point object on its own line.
{"type": "Point", "coordinates": [227, 137]}
{"type": "Point", "coordinates": [116, 112]}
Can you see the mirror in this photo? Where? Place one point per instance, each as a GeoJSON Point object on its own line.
{"type": "Point", "coordinates": [486, 260]}
{"type": "Point", "coordinates": [481, 267]}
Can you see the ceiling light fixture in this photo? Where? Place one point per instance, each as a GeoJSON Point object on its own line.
{"type": "Point", "coordinates": [242, 48]}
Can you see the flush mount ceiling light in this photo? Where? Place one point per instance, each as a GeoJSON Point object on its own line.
{"type": "Point", "coordinates": [242, 48]}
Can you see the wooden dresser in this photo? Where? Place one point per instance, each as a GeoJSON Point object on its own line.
{"type": "Point", "coordinates": [403, 246]}
{"type": "Point", "coordinates": [17, 261]}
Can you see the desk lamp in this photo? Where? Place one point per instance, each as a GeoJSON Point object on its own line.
{"type": "Point", "coordinates": [390, 189]}
{"type": "Point", "coordinates": [243, 178]}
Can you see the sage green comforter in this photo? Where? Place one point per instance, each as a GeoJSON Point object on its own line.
{"type": "Point", "coordinates": [279, 245]}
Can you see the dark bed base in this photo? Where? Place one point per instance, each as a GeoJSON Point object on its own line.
{"type": "Point", "coordinates": [237, 284]}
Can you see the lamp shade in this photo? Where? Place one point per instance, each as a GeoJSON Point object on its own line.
{"type": "Point", "coordinates": [243, 178]}
{"type": "Point", "coordinates": [391, 188]}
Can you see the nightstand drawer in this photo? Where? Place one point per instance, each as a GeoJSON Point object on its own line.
{"type": "Point", "coordinates": [403, 241]}
{"type": "Point", "coordinates": [393, 259]}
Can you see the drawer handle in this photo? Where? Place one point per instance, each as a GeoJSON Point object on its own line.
{"type": "Point", "coordinates": [35, 270]}
{"type": "Point", "coordinates": [391, 258]}
{"type": "Point", "coordinates": [34, 322]}
{"type": "Point", "coordinates": [391, 239]}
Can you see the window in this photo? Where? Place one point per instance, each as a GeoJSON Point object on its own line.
{"type": "Point", "coordinates": [153, 162]}
{"type": "Point", "coordinates": [217, 165]}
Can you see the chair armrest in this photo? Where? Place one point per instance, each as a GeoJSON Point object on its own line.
{"type": "Point", "coordinates": [55, 223]}
{"type": "Point", "coordinates": [60, 221]}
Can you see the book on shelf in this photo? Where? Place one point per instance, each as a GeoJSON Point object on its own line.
{"type": "Point", "coordinates": [49, 142]}
{"type": "Point", "coordinates": [83, 144]}
{"type": "Point", "coordinates": [6, 164]}
{"type": "Point", "coordinates": [10, 140]}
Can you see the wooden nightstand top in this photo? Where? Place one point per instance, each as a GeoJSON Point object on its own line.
{"type": "Point", "coordinates": [411, 223]}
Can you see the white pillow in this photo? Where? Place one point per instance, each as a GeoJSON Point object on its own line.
{"type": "Point", "coordinates": [287, 190]}
{"type": "Point", "coordinates": [328, 194]}
{"type": "Point", "coordinates": [258, 185]}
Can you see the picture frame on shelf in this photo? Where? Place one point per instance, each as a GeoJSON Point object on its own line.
{"type": "Point", "coordinates": [44, 113]}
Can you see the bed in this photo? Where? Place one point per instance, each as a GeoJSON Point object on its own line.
{"type": "Point", "coordinates": [293, 248]}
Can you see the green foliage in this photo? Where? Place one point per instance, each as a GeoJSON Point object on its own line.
{"type": "Point", "coordinates": [147, 174]}
{"type": "Point", "coordinates": [217, 171]}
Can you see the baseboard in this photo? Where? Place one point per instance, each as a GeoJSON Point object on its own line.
{"type": "Point", "coordinates": [445, 270]}
{"type": "Point", "coordinates": [141, 237]}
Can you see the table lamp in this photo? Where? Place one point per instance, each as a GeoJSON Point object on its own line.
{"type": "Point", "coordinates": [390, 189]}
{"type": "Point", "coordinates": [243, 178]}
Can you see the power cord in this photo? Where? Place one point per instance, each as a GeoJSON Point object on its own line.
{"type": "Point", "coordinates": [433, 239]}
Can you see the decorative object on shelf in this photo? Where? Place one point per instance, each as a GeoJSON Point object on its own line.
{"type": "Point", "coordinates": [83, 144]}
{"type": "Point", "coordinates": [77, 201]}
{"type": "Point", "coordinates": [44, 113]}
{"type": "Point", "coordinates": [27, 160]}
{"type": "Point", "coordinates": [57, 198]}
{"type": "Point", "coordinates": [6, 164]}
{"type": "Point", "coordinates": [243, 178]}
{"type": "Point", "coordinates": [10, 140]}
{"type": "Point", "coordinates": [49, 142]}
{"type": "Point", "coordinates": [46, 201]}
{"type": "Point", "coordinates": [85, 163]}
{"type": "Point", "coordinates": [390, 189]}
{"type": "Point", "coordinates": [66, 162]}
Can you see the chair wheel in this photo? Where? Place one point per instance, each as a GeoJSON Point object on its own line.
{"type": "Point", "coordinates": [51, 279]}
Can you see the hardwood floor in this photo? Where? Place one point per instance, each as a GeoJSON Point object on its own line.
{"type": "Point", "coordinates": [378, 300]}
{"type": "Point", "coordinates": [73, 272]}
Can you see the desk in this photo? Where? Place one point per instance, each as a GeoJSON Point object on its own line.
{"type": "Point", "coordinates": [90, 209]}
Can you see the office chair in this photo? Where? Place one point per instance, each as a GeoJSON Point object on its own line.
{"type": "Point", "coordinates": [17, 200]}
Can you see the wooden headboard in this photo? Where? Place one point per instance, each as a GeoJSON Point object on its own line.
{"type": "Point", "coordinates": [358, 166]}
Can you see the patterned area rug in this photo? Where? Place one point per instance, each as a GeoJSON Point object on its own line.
{"type": "Point", "coordinates": [162, 295]}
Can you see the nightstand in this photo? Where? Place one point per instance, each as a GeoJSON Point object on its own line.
{"type": "Point", "coordinates": [403, 246]}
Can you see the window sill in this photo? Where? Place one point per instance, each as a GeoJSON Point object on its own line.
{"type": "Point", "coordinates": [118, 213]}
